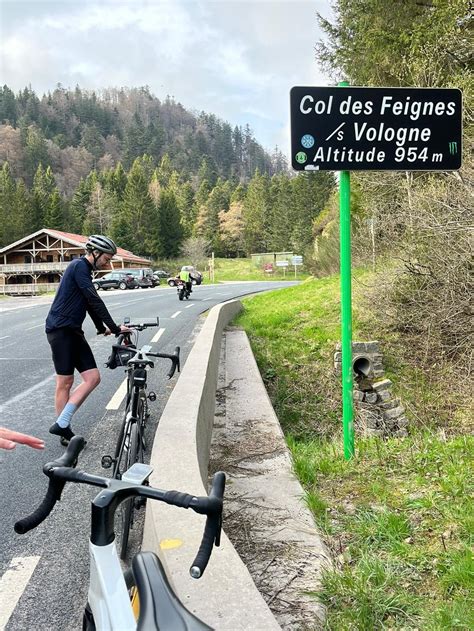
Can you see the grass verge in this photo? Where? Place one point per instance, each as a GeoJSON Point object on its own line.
{"type": "Point", "coordinates": [398, 518]}
{"type": "Point", "coordinates": [233, 269]}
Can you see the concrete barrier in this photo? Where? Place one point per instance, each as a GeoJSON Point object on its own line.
{"type": "Point", "coordinates": [225, 597]}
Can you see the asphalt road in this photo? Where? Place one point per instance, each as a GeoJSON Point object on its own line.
{"type": "Point", "coordinates": [44, 574]}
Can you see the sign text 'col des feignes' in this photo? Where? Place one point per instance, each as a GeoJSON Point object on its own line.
{"type": "Point", "coordinates": [383, 129]}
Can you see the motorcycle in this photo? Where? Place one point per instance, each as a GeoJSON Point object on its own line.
{"type": "Point", "coordinates": [183, 291]}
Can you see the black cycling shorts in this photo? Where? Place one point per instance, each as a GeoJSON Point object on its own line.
{"type": "Point", "coordinates": [70, 351]}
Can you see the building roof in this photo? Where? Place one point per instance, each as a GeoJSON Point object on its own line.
{"type": "Point", "coordinates": [78, 240]}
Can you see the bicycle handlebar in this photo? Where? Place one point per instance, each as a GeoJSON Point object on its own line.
{"type": "Point", "coordinates": [212, 530]}
{"type": "Point", "coordinates": [63, 470]}
{"type": "Point", "coordinates": [55, 486]}
{"type": "Point", "coordinates": [141, 326]}
{"type": "Point", "coordinates": [175, 360]}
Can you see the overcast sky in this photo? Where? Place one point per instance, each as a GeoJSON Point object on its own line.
{"type": "Point", "coordinates": [236, 59]}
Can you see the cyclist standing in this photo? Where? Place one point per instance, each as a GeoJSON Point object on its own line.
{"type": "Point", "coordinates": [75, 297]}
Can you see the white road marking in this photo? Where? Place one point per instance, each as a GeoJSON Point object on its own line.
{"type": "Point", "coordinates": [13, 584]}
{"type": "Point", "coordinates": [175, 314]}
{"type": "Point", "coordinates": [187, 306]}
{"type": "Point", "coordinates": [34, 327]}
{"type": "Point", "coordinates": [157, 336]}
{"type": "Point", "coordinates": [21, 359]}
{"type": "Point", "coordinates": [25, 393]}
{"type": "Point", "coordinates": [211, 298]}
{"type": "Point", "coordinates": [118, 397]}
{"type": "Point", "coordinates": [4, 337]}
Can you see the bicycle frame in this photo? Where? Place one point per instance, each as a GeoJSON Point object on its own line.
{"type": "Point", "coordinates": [108, 595]}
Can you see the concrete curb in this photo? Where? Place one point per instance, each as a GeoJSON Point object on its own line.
{"type": "Point", "coordinates": [265, 513]}
{"type": "Point", "coordinates": [225, 597]}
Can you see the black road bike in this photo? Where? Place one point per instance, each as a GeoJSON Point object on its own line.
{"type": "Point", "coordinates": [131, 443]}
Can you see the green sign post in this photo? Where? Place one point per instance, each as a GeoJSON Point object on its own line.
{"type": "Point", "coordinates": [346, 313]}
{"type": "Point", "coordinates": [370, 129]}
{"type": "Point", "coordinates": [346, 310]}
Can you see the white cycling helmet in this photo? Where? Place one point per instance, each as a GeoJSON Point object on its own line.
{"type": "Point", "coordinates": [101, 244]}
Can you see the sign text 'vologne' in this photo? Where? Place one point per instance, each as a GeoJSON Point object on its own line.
{"type": "Point", "coordinates": [376, 129]}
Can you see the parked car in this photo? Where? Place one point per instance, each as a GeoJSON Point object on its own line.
{"type": "Point", "coordinates": [161, 273]}
{"type": "Point", "coordinates": [115, 280]}
{"type": "Point", "coordinates": [196, 277]}
{"type": "Point", "coordinates": [143, 276]}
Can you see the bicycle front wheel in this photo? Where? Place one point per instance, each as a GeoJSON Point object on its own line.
{"type": "Point", "coordinates": [127, 505]}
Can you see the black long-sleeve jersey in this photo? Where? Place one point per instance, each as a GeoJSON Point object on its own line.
{"type": "Point", "coordinates": [75, 297]}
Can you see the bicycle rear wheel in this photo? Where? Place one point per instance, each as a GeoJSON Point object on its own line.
{"type": "Point", "coordinates": [128, 505]}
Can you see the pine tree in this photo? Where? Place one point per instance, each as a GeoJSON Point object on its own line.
{"type": "Point", "coordinates": [7, 206]}
{"type": "Point", "coordinates": [281, 217]}
{"type": "Point", "coordinates": [8, 106]}
{"type": "Point", "coordinates": [22, 210]}
{"type": "Point", "coordinates": [186, 205]}
{"type": "Point", "coordinates": [256, 214]}
{"type": "Point", "coordinates": [164, 171]}
{"type": "Point", "coordinates": [54, 212]}
{"type": "Point", "coordinates": [310, 193]}
{"type": "Point", "coordinates": [44, 186]}
{"type": "Point", "coordinates": [78, 207]}
{"type": "Point", "coordinates": [35, 152]}
{"type": "Point", "coordinates": [135, 141]}
{"type": "Point", "coordinates": [170, 229]}
{"type": "Point", "coordinates": [119, 181]}
{"type": "Point", "coordinates": [137, 213]}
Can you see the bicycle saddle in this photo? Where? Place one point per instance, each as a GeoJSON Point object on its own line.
{"type": "Point", "coordinates": [160, 608]}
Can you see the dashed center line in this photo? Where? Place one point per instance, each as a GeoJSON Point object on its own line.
{"type": "Point", "coordinates": [187, 306]}
{"type": "Point", "coordinates": [13, 583]}
{"type": "Point", "coordinates": [4, 337]}
{"type": "Point", "coordinates": [117, 399]}
{"type": "Point", "coordinates": [175, 314]}
{"type": "Point", "coordinates": [34, 327]}
{"type": "Point", "coordinates": [211, 298]}
{"type": "Point", "coordinates": [157, 336]}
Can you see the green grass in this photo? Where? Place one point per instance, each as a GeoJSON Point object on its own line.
{"type": "Point", "coordinates": [233, 269]}
{"type": "Point", "coordinates": [398, 518]}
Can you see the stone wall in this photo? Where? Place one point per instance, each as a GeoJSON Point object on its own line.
{"type": "Point", "coordinates": [378, 412]}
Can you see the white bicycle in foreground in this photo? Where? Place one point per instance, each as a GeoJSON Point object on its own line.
{"type": "Point", "coordinates": [112, 594]}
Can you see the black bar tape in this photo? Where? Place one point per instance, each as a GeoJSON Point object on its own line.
{"type": "Point", "coordinates": [218, 485]}
{"type": "Point", "coordinates": [207, 543]}
{"type": "Point", "coordinates": [55, 487]}
{"type": "Point", "coordinates": [175, 498]}
{"type": "Point", "coordinates": [28, 523]}
{"type": "Point", "coordinates": [212, 530]}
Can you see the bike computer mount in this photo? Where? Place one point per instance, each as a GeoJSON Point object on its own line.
{"type": "Point", "coordinates": [138, 473]}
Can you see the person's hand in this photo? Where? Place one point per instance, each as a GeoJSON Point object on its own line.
{"type": "Point", "coordinates": [9, 439]}
{"type": "Point", "coordinates": [125, 329]}
{"type": "Point", "coordinates": [107, 332]}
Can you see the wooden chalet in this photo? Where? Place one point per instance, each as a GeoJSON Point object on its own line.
{"type": "Point", "coordinates": [36, 263]}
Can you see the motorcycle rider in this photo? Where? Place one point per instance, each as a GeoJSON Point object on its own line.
{"type": "Point", "coordinates": [185, 276]}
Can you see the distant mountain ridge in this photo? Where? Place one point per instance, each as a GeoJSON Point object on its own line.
{"type": "Point", "coordinates": [75, 131]}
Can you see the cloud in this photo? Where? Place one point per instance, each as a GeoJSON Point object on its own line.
{"type": "Point", "coordinates": [235, 59]}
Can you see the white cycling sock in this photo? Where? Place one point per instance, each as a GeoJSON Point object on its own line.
{"type": "Point", "coordinates": [64, 419]}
